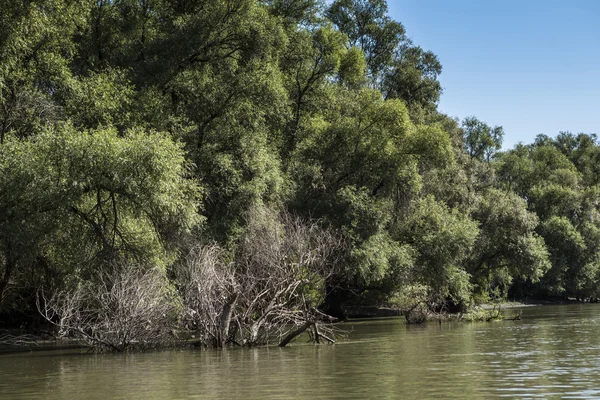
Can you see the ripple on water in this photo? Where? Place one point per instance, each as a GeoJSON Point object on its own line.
{"type": "Point", "coordinates": [551, 352]}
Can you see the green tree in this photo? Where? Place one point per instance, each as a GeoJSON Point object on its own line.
{"type": "Point", "coordinates": [357, 168]}
{"type": "Point", "coordinates": [395, 65]}
{"type": "Point", "coordinates": [368, 27]}
{"type": "Point", "coordinates": [508, 246]}
{"type": "Point", "coordinates": [443, 239]}
{"type": "Point", "coordinates": [481, 140]}
{"type": "Point", "coordinates": [74, 201]}
{"type": "Point", "coordinates": [35, 47]}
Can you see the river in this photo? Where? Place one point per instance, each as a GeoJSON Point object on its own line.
{"type": "Point", "coordinates": [553, 351]}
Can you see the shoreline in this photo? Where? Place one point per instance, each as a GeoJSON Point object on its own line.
{"type": "Point", "coordinates": [372, 312]}
{"type": "Point", "coordinates": [531, 303]}
{"type": "Point", "coordinates": [356, 313]}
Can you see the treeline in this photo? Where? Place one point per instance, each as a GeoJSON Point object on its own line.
{"type": "Point", "coordinates": [291, 148]}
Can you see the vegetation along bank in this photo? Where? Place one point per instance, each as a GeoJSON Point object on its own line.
{"type": "Point", "coordinates": [240, 171]}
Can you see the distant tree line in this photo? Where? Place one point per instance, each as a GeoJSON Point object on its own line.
{"type": "Point", "coordinates": [264, 164]}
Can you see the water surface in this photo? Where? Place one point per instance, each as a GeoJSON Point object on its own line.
{"type": "Point", "coordinates": [553, 351]}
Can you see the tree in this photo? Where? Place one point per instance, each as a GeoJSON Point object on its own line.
{"type": "Point", "coordinates": [35, 47]}
{"type": "Point", "coordinates": [357, 167]}
{"type": "Point", "coordinates": [567, 248]}
{"type": "Point", "coordinates": [413, 77]}
{"type": "Point", "coordinates": [368, 27]}
{"type": "Point", "coordinates": [77, 201]}
{"type": "Point", "coordinates": [555, 190]}
{"type": "Point", "coordinates": [314, 59]}
{"type": "Point", "coordinates": [268, 289]}
{"type": "Point", "coordinates": [210, 78]}
{"type": "Point", "coordinates": [481, 140]}
{"type": "Point", "coordinates": [128, 308]}
{"type": "Point", "coordinates": [443, 239]}
{"type": "Point", "coordinates": [508, 246]}
{"type": "Point", "coordinates": [395, 65]}
{"type": "Point", "coordinates": [295, 13]}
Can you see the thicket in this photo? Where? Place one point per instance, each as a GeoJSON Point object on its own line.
{"type": "Point", "coordinates": [265, 163]}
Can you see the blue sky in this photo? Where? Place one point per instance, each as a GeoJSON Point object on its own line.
{"type": "Point", "coordinates": [531, 65]}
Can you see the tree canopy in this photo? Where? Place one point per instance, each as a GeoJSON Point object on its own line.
{"type": "Point", "coordinates": [131, 129]}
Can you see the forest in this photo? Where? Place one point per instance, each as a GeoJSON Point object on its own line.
{"type": "Point", "coordinates": [245, 170]}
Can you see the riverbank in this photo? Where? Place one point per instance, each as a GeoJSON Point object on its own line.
{"type": "Point", "coordinates": [367, 312]}
{"type": "Point", "coordinates": [29, 343]}
{"type": "Point", "coordinates": [14, 341]}
{"type": "Point", "coordinates": [529, 303]}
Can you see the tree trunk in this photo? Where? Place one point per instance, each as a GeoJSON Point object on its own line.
{"type": "Point", "coordinates": [8, 268]}
{"type": "Point", "coordinates": [225, 319]}
{"type": "Point", "coordinates": [291, 336]}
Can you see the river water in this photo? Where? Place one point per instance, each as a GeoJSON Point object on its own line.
{"type": "Point", "coordinates": [553, 351]}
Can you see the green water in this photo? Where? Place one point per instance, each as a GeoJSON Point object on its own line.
{"type": "Point", "coordinates": [552, 351]}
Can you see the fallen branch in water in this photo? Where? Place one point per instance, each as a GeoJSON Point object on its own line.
{"type": "Point", "coordinates": [19, 340]}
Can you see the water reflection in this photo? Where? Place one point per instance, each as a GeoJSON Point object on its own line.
{"type": "Point", "coordinates": [552, 351]}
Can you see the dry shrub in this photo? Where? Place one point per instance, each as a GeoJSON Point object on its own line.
{"type": "Point", "coordinates": [269, 288]}
{"type": "Point", "coordinates": [206, 283]}
{"type": "Point", "coordinates": [265, 291]}
{"type": "Point", "coordinates": [126, 308]}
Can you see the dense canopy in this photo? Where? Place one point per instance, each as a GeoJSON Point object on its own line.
{"type": "Point", "coordinates": [132, 130]}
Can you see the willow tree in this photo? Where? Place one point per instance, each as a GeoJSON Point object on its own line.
{"type": "Point", "coordinates": [35, 47]}
{"type": "Point", "coordinates": [357, 168]}
{"type": "Point", "coordinates": [72, 202]}
{"type": "Point", "coordinates": [396, 66]}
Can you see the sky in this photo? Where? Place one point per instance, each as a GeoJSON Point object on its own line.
{"type": "Point", "coordinates": [530, 66]}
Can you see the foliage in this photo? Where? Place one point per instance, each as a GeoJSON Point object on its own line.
{"type": "Point", "coordinates": [508, 246]}
{"type": "Point", "coordinates": [481, 141]}
{"type": "Point", "coordinates": [73, 201]}
{"type": "Point", "coordinates": [443, 239]}
{"type": "Point", "coordinates": [130, 129]}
